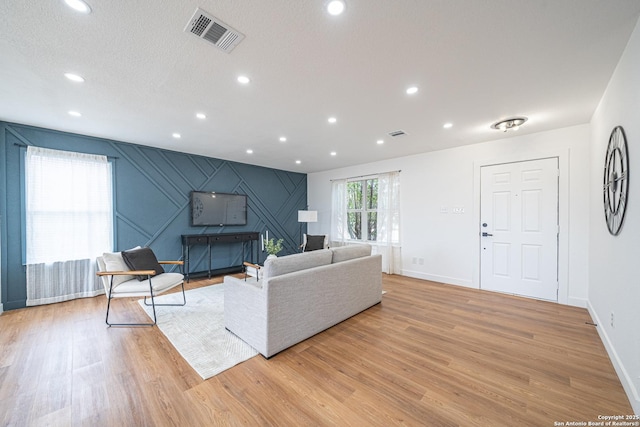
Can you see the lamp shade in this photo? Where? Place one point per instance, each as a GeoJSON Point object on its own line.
{"type": "Point", "coordinates": [307, 216]}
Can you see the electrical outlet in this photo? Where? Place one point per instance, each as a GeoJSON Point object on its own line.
{"type": "Point", "coordinates": [458, 210]}
{"type": "Point", "coordinates": [612, 322]}
{"type": "Point", "coordinates": [414, 260]}
{"type": "Point", "coordinates": [421, 261]}
{"type": "Point", "coordinates": [444, 210]}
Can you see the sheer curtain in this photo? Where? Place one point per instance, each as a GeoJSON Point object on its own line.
{"type": "Point", "coordinates": [69, 222]}
{"type": "Point", "coordinates": [339, 231]}
{"type": "Point", "coordinates": [388, 226]}
{"type": "Point", "coordinates": [388, 220]}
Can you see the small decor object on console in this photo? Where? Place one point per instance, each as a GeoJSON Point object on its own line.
{"type": "Point", "coordinates": [616, 180]}
{"type": "Point", "coordinates": [273, 247]}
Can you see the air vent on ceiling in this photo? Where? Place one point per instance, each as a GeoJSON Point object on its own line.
{"type": "Point", "coordinates": [397, 133]}
{"type": "Point", "coordinates": [213, 30]}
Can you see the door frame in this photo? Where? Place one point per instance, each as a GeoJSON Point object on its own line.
{"type": "Point", "coordinates": [563, 157]}
{"type": "Point", "coordinates": [549, 231]}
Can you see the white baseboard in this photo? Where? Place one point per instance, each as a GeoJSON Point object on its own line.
{"type": "Point", "coordinates": [440, 279]}
{"type": "Point", "coordinates": [577, 302]}
{"type": "Point", "coordinates": [1, 308]}
{"type": "Point", "coordinates": [623, 375]}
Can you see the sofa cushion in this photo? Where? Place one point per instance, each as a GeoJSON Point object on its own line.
{"type": "Point", "coordinates": [160, 283]}
{"type": "Point", "coordinates": [142, 259]}
{"type": "Point", "coordinates": [113, 261]}
{"type": "Point", "coordinates": [296, 262]}
{"type": "Point", "coordinates": [345, 253]}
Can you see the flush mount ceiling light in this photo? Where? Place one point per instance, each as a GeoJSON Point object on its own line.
{"type": "Point", "coordinates": [243, 80]}
{"type": "Point", "coordinates": [201, 116]}
{"type": "Point", "coordinates": [75, 113]}
{"type": "Point", "coordinates": [74, 77]}
{"type": "Point", "coordinates": [176, 135]}
{"type": "Point", "coordinates": [283, 139]}
{"type": "Point", "coordinates": [335, 7]}
{"type": "Point", "coordinates": [249, 151]}
{"type": "Point", "coordinates": [333, 153]}
{"type": "Point", "coordinates": [298, 162]}
{"type": "Point", "coordinates": [380, 142]}
{"type": "Point", "coordinates": [513, 123]}
{"type": "Point", "coordinates": [447, 125]}
{"type": "Point", "coordinates": [332, 120]}
{"type": "Point", "coordinates": [79, 6]}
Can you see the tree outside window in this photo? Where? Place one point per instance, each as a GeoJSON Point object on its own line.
{"type": "Point", "coordinates": [362, 209]}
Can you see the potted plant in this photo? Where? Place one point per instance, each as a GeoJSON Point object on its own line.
{"type": "Point", "coordinates": [273, 247]}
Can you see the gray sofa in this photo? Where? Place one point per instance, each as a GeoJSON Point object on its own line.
{"type": "Point", "coordinates": [300, 295]}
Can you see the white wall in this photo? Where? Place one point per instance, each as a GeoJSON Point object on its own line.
{"type": "Point", "coordinates": [614, 275]}
{"type": "Point", "coordinates": [449, 243]}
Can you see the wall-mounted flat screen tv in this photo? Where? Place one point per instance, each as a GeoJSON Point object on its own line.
{"type": "Point", "coordinates": [218, 209]}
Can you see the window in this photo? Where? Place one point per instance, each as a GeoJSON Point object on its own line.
{"type": "Point", "coordinates": [368, 210]}
{"type": "Point", "coordinates": [362, 206]}
{"type": "Point", "coordinates": [69, 222]}
{"type": "Point", "coordinates": [68, 206]}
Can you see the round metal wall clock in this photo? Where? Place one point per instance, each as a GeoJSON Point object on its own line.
{"type": "Point", "coordinates": [616, 180]}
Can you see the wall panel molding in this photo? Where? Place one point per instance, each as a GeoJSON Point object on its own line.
{"type": "Point", "coordinates": [151, 191]}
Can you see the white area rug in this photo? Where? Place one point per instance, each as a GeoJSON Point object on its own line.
{"type": "Point", "coordinates": [197, 330]}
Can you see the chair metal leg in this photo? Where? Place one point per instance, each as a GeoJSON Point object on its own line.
{"type": "Point", "coordinates": [184, 300]}
{"type": "Point", "coordinates": [145, 301]}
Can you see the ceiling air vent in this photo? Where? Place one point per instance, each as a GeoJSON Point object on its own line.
{"type": "Point", "coordinates": [213, 30]}
{"type": "Point", "coordinates": [397, 133]}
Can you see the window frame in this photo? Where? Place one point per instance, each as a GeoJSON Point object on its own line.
{"type": "Point", "coordinates": [364, 211]}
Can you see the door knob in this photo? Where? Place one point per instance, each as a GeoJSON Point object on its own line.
{"type": "Point", "coordinates": [485, 234]}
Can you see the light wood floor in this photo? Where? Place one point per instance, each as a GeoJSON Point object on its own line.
{"type": "Point", "coordinates": [429, 355]}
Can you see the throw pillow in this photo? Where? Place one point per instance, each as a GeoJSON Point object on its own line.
{"type": "Point", "coordinates": [314, 243]}
{"type": "Point", "coordinates": [115, 262]}
{"type": "Point", "coordinates": [142, 259]}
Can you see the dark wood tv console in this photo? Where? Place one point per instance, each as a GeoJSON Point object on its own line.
{"type": "Point", "coordinates": [209, 240]}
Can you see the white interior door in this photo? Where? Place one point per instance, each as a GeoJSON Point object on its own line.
{"type": "Point", "coordinates": [519, 228]}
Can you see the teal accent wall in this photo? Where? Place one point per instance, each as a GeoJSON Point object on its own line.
{"type": "Point", "coordinates": [151, 192]}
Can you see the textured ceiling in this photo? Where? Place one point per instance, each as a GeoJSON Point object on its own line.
{"type": "Point", "coordinates": [475, 62]}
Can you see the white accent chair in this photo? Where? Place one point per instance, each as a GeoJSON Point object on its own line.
{"type": "Point", "coordinates": [120, 281]}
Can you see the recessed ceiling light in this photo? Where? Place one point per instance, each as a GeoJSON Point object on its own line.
{"type": "Point", "coordinates": [201, 116]}
{"type": "Point", "coordinates": [298, 162]}
{"type": "Point", "coordinates": [176, 135]}
{"type": "Point", "coordinates": [283, 139]}
{"type": "Point", "coordinates": [74, 77]}
{"type": "Point", "coordinates": [78, 5]}
{"type": "Point", "coordinates": [249, 151]}
{"type": "Point", "coordinates": [243, 80]}
{"type": "Point", "coordinates": [447, 125]}
{"type": "Point", "coordinates": [380, 142]}
{"type": "Point", "coordinates": [411, 90]}
{"type": "Point", "coordinates": [332, 120]}
{"type": "Point", "coordinates": [333, 153]}
{"type": "Point", "coordinates": [75, 114]}
{"type": "Point", "coordinates": [335, 7]}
